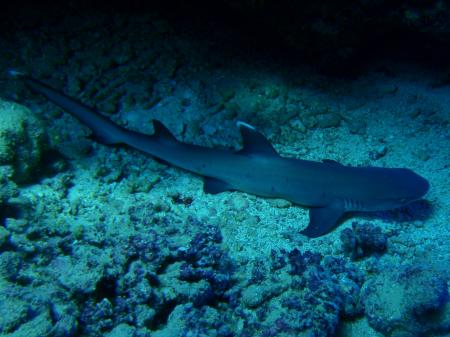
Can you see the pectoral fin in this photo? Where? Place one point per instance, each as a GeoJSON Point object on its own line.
{"type": "Point", "coordinates": [323, 219]}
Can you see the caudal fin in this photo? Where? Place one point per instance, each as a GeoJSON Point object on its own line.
{"type": "Point", "coordinates": [104, 130]}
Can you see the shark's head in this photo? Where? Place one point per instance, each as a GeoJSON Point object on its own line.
{"type": "Point", "coordinates": [398, 187]}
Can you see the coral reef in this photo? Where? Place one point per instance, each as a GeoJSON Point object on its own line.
{"type": "Point", "coordinates": [23, 141]}
{"type": "Point", "coordinates": [303, 292]}
{"type": "Point", "coordinates": [112, 243]}
{"type": "Point", "coordinates": [363, 240]}
{"type": "Point", "coordinates": [412, 300]}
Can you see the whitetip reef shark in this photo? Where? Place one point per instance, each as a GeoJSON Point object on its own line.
{"type": "Point", "coordinates": [328, 188]}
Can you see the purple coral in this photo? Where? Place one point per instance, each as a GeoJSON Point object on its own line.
{"type": "Point", "coordinates": [300, 261]}
{"type": "Point", "coordinates": [362, 240]}
{"type": "Point", "coordinates": [205, 260]}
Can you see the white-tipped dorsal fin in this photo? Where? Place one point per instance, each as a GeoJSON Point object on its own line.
{"type": "Point", "coordinates": [254, 142]}
{"type": "Point", "coordinates": [15, 73]}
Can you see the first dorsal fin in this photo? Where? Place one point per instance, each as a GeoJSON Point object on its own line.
{"type": "Point", "coordinates": [161, 131]}
{"type": "Point", "coordinates": [254, 142]}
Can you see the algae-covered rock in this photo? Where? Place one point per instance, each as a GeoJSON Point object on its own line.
{"type": "Point", "coordinates": [40, 325]}
{"type": "Point", "coordinates": [23, 141]}
{"type": "Point", "coordinates": [120, 330]}
{"type": "Point", "coordinates": [4, 235]}
{"type": "Point", "coordinates": [10, 264]}
{"type": "Point", "coordinates": [81, 272]}
{"type": "Point", "coordinates": [8, 188]}
{"type": "Point", "coordinates": [13, 313]}
{"type": "Point", "coordinates": [409, 301]}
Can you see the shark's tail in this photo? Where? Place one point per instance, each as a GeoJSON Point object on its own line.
{"type": "Point", "coordinates": [103, 128]}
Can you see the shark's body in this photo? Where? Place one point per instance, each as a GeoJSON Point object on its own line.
{"type": "Point", "coordinates": [328, 188]}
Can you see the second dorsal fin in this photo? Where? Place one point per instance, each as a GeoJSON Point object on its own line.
{"type": "Point", "coordinates": [331, 162]}
{"type": "Point", "coordinates": [254, 142]}
{"type": "Point", "coordinates": [161, 131]}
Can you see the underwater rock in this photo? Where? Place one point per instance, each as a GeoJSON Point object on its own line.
{"type": "Point", "coordinates": [255, 295]}
{"type": "Point", "coordinates": [13, 313]}
{"type": "Point", "coordinates": [136, 296]}
{"type": "Point", "coordinates": [316, 301]}
{"type": "Point", "coordinates": [407, 301]}
{"type": "Point", "coordinates": [10, 264]}
{"type": "Point", "coordinates": [38, 326]}
{"type": "Point", "coordinates": [301, 261]}
{"type": "Point", "coordinates": [328, 120]}
{"type": "Point", "coordinates": [378, 153]}
{"type": "Point", "coordinates": [278, 259]}
{"type": "Point", "coordinates": [304, 293]}
{"type": "Point", "coordinates": [65, 317]}
{"type": "Point", "coordinates": [186, 320]}
{"type": "Point", "coordinates": [4, 235]}
{"type": "Point", "coordinates": [205, 260]}
{"type": "Point", "coordinates": [363, 240]}
{"type": "Point", "coordinates": [25, 312]}
{"type": "Point", "coordinates": [17, 226]}
{"type": "Point", "coordinates": [422, 154]}
{"type": "Point", "coordinates": [121, 330]}
{"type": "Point", "coordinates": [297, 125]}
{"type": "Point", "coordinates": [81, 272]}
{"type": "Point", "coordinates": [20, 243]}
{"type": "Point", "coordinates": [97, 317]}
{"type": "Point", "coordinates": [259, 272]}
{"type": "Point", "coordinates": [311, 121]}
{"type": "Point", "coordinates": [356, 126]}
{"type": "Point", "coordinates": [23, 141]}
{"type": "Point", "coordinates": [8, 188]}
{"type": "Point", "coordinates": [162, 280]}
{"type": "Point", "coordinates": [151, 248]}
{"type": "Point", "coordinates": [138, 292]}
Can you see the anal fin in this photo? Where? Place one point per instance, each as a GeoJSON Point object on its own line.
{"type": "Point", "coordinates": [323, 219]}
{"type": "Point", "coordinates": [214, 186]}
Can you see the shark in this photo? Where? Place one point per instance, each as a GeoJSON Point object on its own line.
{"type": "Point", "coordinates": [328, 188]}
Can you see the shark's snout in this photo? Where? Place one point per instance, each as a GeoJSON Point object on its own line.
{"type": "Point", "coordinates": [422, 186]}
{"type": "Point", "coordinates": [407, 186]}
